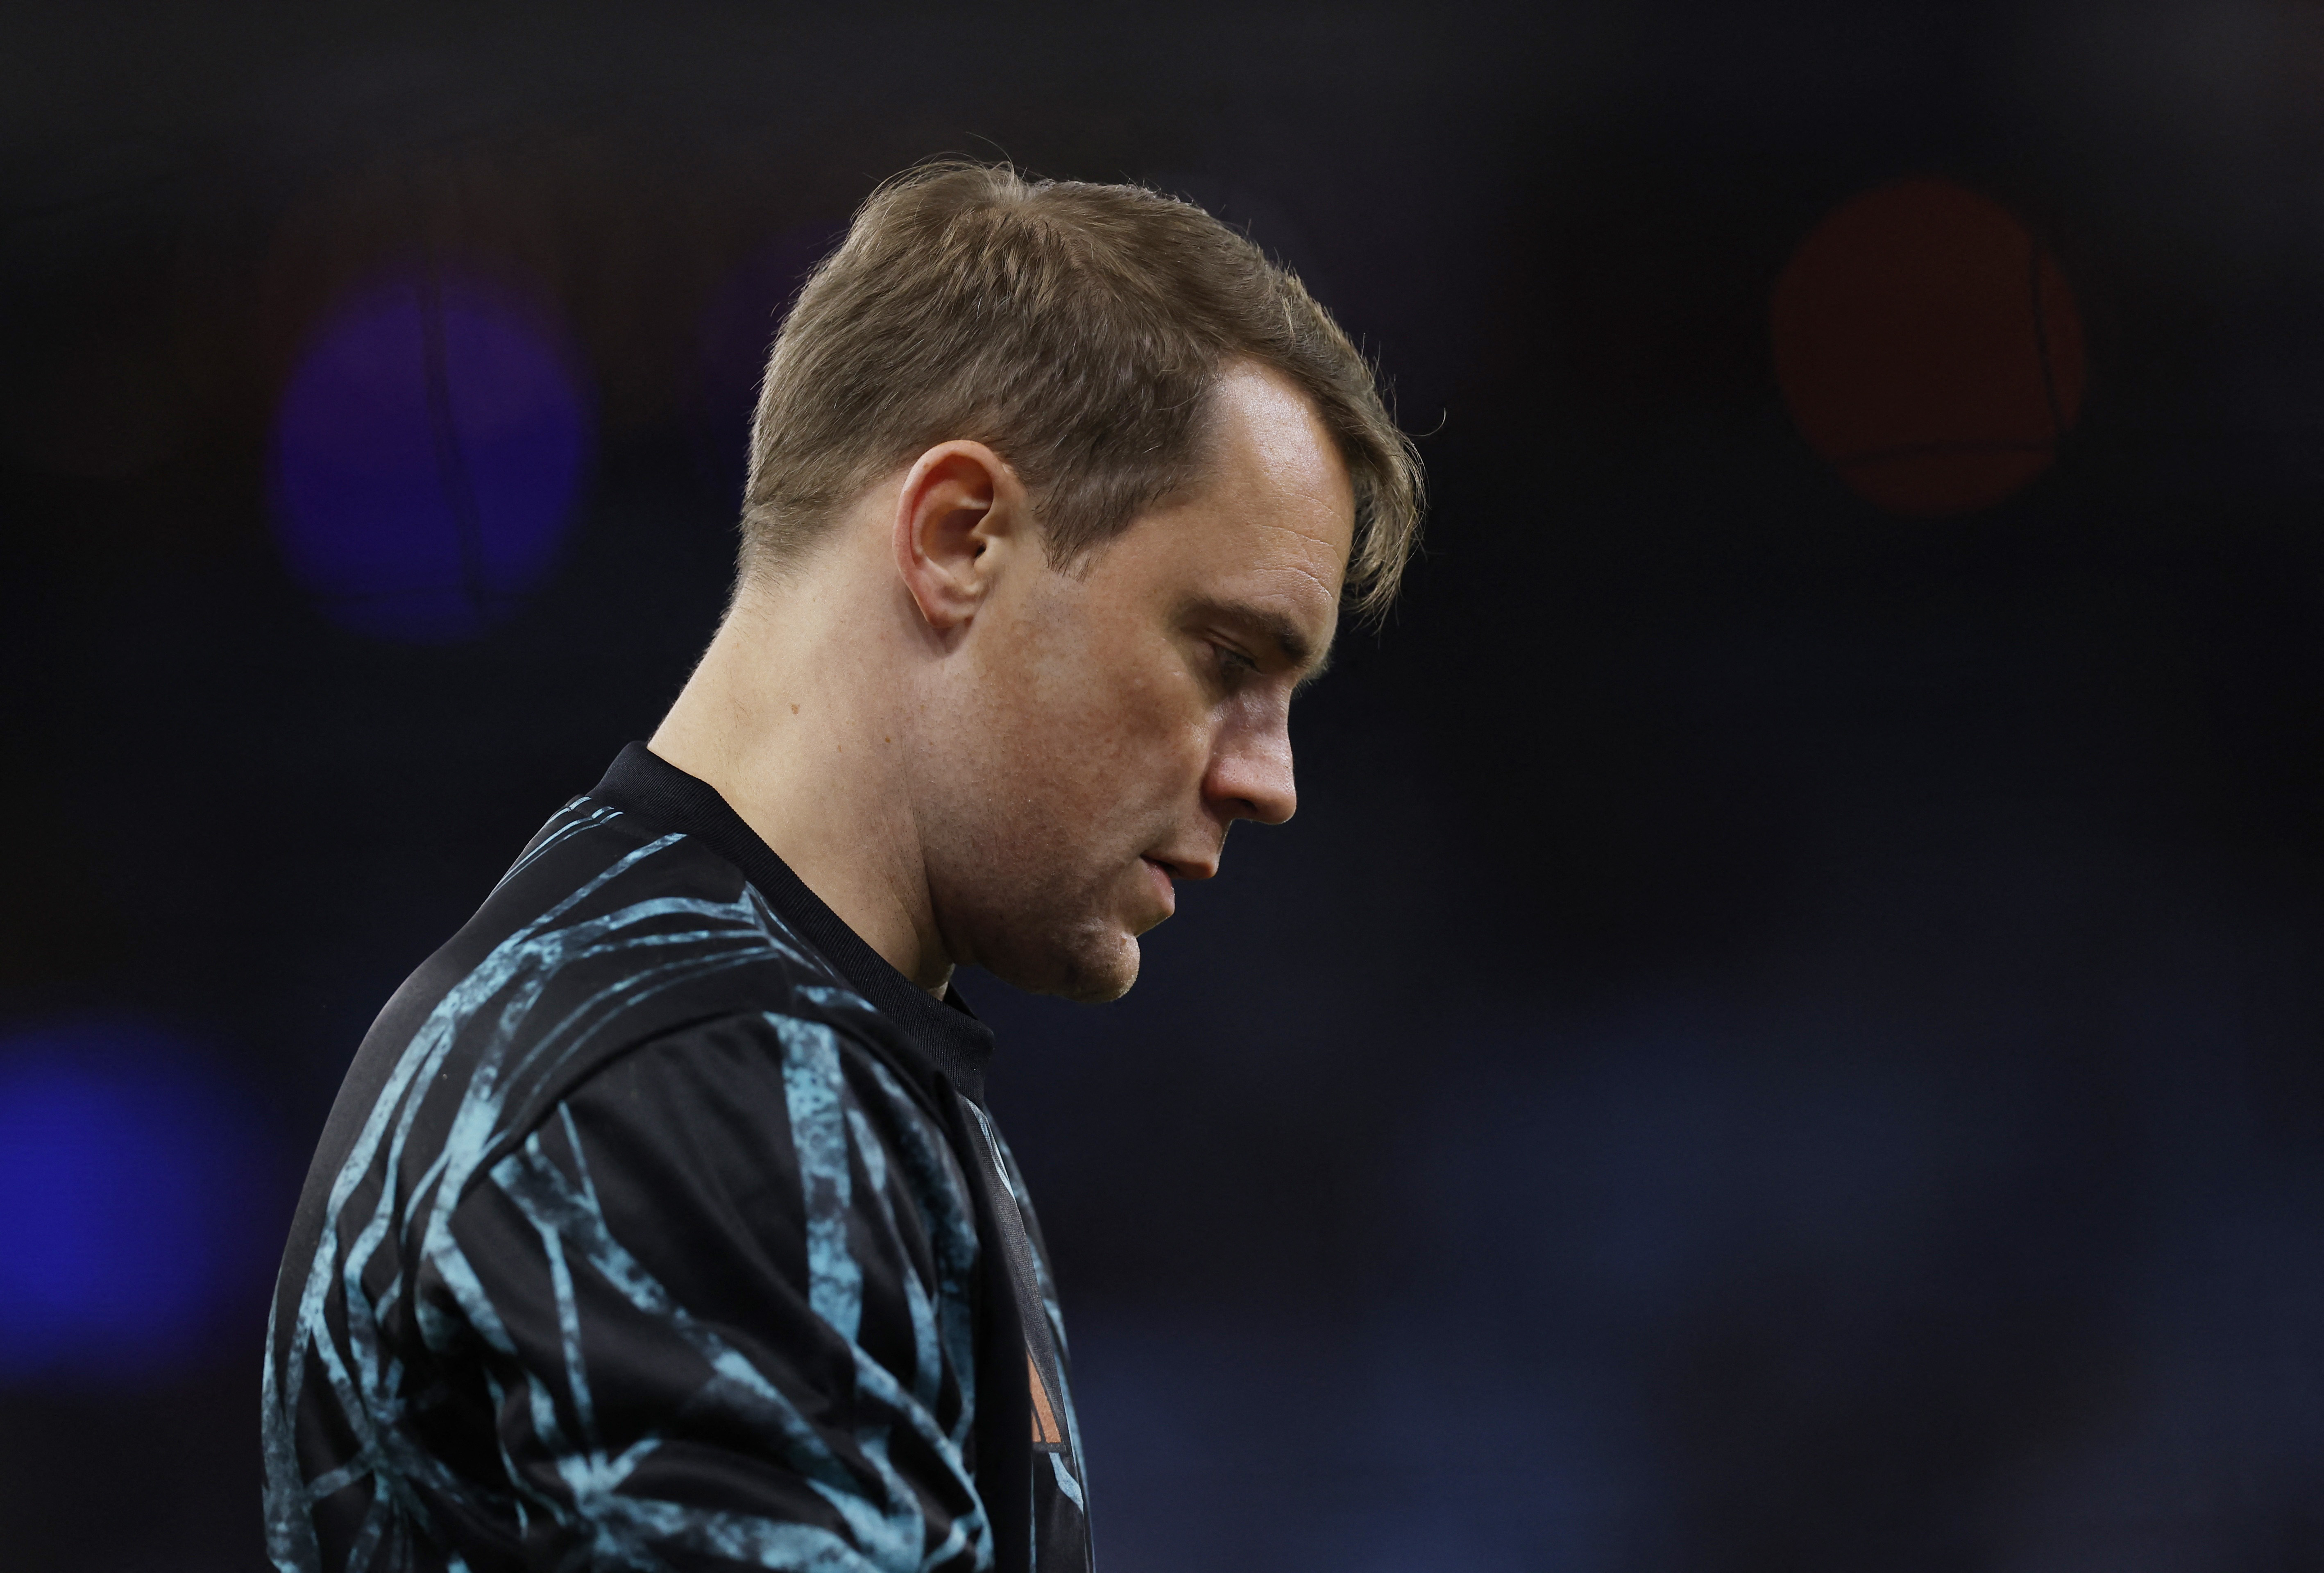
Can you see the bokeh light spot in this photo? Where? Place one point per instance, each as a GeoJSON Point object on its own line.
{"type": "Point", "coordinates": [426, 455]}
{"type": "Point", "coordinates": [132, 1200]}
{"type": "Point", "coordinates": [1929, 348]}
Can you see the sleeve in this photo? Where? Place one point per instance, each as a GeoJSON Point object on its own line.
{"type": "Point", "coordinates": [719, 1302]}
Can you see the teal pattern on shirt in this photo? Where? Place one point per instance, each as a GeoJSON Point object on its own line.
{"type": "Point", "coordinates": [641, 1239]}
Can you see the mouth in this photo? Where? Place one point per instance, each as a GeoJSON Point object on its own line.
{"type": "Point", "coordinates": [1163, 893]}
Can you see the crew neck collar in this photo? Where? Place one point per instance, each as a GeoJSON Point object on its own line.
{"type": "Point", "coordinates": [958, 1044]}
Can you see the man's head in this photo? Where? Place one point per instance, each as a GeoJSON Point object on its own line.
{"type": "Point", "coordinates": [1098, 478]}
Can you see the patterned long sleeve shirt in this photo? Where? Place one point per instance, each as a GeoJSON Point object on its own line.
{"type": "Point", "coordinates": [659, 1224]}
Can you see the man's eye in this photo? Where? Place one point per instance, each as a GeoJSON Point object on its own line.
{"type": "Point", "coordinates": [1234, 663]}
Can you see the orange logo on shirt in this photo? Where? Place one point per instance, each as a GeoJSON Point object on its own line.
{"type": "Point", "coordinates": [1047, 1432]}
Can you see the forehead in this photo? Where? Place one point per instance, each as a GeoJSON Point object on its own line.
{"type": "Point", "coordinates": [1272, 520]}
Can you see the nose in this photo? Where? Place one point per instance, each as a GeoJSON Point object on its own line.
{"type": "Point", "coordinates": [1250, 772]}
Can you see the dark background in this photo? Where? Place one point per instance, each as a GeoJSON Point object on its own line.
{"type": "Point", "coordinates": [1782, 1038]}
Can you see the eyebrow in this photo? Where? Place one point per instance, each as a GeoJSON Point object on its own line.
{"type": "Point", "coordinates": [1287, 637]}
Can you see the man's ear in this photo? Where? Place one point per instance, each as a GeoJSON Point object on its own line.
{"type": "Point", "coordinates": [961, 515]}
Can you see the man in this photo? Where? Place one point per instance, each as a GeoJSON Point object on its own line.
{"type": "Point", "coordinates": [660, 1221]}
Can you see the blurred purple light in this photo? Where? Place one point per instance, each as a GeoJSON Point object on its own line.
{"type": "Point", "coordinates": [131, 1200]}
{"type": "Point", "coordinates": [426, 455]}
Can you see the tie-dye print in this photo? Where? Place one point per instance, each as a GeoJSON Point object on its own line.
{"type": "Point", "coordinates": [642, 1238]}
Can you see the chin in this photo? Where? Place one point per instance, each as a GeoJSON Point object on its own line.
{"type": "Point", "coordinates": [1091, 972]}
{"type": "Point", "coordinates": [1088, 990]}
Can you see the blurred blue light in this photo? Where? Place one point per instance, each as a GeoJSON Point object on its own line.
{"type": "Point", "coordinates": [131, 1200]}
{"type": "Point", "coordinates": [426, 455]}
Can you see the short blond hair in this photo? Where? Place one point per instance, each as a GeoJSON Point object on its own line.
{"type": "Point", "coordinates": [1077, 330]}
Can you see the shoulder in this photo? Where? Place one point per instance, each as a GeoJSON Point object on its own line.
{"type": "Point", "coordinates": [747, 1136]}
{"type": "Point", "coordinates": [607, 935]}
{"type": "Point", "coordinates": [752, 1098]}
{"type": "Point", "coordinates": [743, 1072]}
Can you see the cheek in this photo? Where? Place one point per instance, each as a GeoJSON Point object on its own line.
{"type": "Point", "coordinates": [1087, 741]}
{"type": "Point", "coordinates": [1145, 733]}
{"type": "Point", "coordinates": [1118, 717]}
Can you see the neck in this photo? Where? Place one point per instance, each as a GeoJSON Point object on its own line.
{"type": "Point", "coordinates": [800, 723]}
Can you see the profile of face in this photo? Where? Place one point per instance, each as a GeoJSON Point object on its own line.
{"type": "Point", "coordinates": [1099, 728]}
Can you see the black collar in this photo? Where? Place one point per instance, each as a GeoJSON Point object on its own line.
{"type": "Point", "coordinates": [642, 782]}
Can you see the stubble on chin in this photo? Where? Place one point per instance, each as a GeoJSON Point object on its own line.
{"type": "Point", "coordinates": [1097, 952]}
{"type": "Point", "coordinates": [1090, 962]}
{"type": "Point", "coordinates": [1100, 979]}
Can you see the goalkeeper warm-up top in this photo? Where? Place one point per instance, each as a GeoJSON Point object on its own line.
{"type": "Point", "coordinates": [661, 1223]}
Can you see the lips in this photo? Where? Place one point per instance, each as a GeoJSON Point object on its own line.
{"type": "Point", "coordinates": [1162, 891]}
